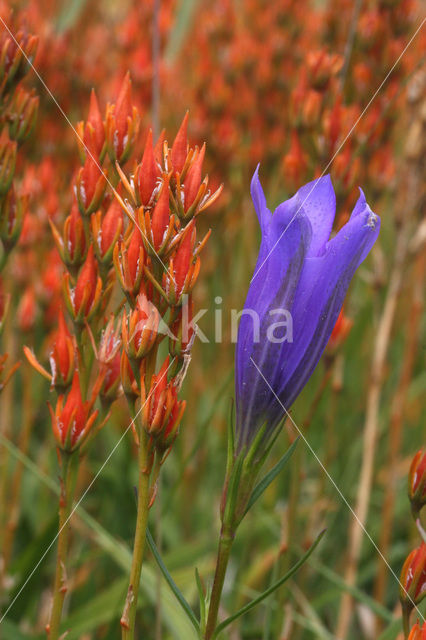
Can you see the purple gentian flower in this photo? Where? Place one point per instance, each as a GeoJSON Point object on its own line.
{"type": "Point", "coordinates": [303, 272]}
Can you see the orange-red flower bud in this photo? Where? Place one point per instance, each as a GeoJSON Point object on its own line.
{"type": "Point", "coordinates": [122, 124]}
{"type": "Point", "coordinates": [182, 331]}
{"type": "Point", "coordinates": [322, 66]}
{"type": "Point", "coordinates": [417, 632]}
{"type": "Point", "coordinates": [106, 230]}
{"type": "Point", "coordinates": [7, 164]}
{"type": "Point", "coordinates": [13, 63]}
{"type": "Point", "coordinates": [94, 133]}
{"type": "Point", "coordinates": [179, 150]}
{"type": "Point", "coordinates": [22, 114]}
{"type": "Point", "coordinates": [147, 173]}
{"type": "Point", "coordinates": [161, 216]}
{"type": "Point", "coordinates": [11, 218]}
{"type": "Point", "coordinates": [161, 410]}
{"type": "Point", "coordinates": [127, 376]}
{"type": "Point", "coordinates": [72, 244]}
{"type": "Point", "coordinates": [413, 578]}
{"type": "Point", "coordinates": [71, 421]}
{"type": "Point", "coordinates": [140, 329]}
{"type": "Point", "coordinates": [417, 481]}
{"type": "Point", "coordinates": [62, 356]}
{"type": "Point", "coordinates": [109, 358]}
{"type": "Point", "coordinates": [90, 185]}
{"type": "Point", "coordinates": [193, 179]}
{"type": "Point", "coordinates": [83, 301]}
{"type": "Point", "coordinates": [129, 261]}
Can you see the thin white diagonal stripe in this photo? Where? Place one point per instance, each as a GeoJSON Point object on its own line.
{"type": "Point", "coordinates": [344, 499]}
{"type": "Point", "coordinates": [129, 213]}
{"type": "Point", "coordinates": [86, 491]}
{"type": "Point", "coordinates": [342, 143]}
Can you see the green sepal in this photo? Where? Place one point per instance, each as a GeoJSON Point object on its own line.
{"type": "Point", "coordinates": [270, 476]}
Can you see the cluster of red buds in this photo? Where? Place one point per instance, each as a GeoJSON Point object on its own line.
{"type": "Point", "coordinates": [413, 573]}
{"type": "Point", "coordinates": [134, 230]}
{"type": "Point", "coordinates": [18, 113]}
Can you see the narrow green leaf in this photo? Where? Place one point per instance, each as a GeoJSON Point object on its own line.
{"type": "Point", "coordinates": [270, 590]}
{"type": "Point", "coordinates": [69, 15]}
{"type": "Point", "coordinates": [184, 15]}
{"type": "Point", "coordinates": [392, 630]}
{"type": "Point", "coordinates": [271, 475]}
{"type": "Point", "coordinates": [201, 598]}
{"type": "Point", "coordinates": [173, 586]}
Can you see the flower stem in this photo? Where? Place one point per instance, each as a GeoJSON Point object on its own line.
{"type": "Point", "coordinates": [225, 543]}
{"type": "Point", "coordinates": [70, 462]}
{"type": "Point", "coordinates": [130, 606]}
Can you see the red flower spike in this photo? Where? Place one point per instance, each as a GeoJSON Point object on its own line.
{"type": "Point", "coordinates": [94, 133]}
{"type": "Point", "coordinates": [417, 632]}
{"type": "Point", "coordinates": [71, 422]}
{"type": "Point", "coordinates": [193, 179]}
{"type": "Point", "coordinates": [161, 216]}
{"type": "Point", "coordinates": [413, 578]}
{"type": "Point", "coordinates": [147, 172]}
{"type": "Point", "coordinates": [140, 329]}
{"type": "Point", "coordinates": [417, 481]}
{"type": "Point", "coordinates": [62, 356]}
{"type": "Point", "coordinates": [180, 146]}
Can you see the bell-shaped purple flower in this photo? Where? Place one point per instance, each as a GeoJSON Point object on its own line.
{"type": "Point", "coordinates": [295, 296]}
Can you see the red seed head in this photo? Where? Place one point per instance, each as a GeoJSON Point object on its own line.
{"type": "Point", "coordinates": [161, 216]}
{"type": "Point", "coordinates": [180, 146]}
{"type": "Point", "coordinates": [148, 172]}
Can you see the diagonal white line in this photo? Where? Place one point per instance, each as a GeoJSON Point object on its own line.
{"type": "Point", "coordinates": [129, 213]}
{"type": "Point", "coordinates": [343, 143]}
{"type": "Point", "coordinates": [344, 499]}
{"type": "Point", "coordinates": [86, 491]}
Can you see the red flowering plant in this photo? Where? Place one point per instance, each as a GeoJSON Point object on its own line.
{"type": "Point", "coordinates": [135, 231]}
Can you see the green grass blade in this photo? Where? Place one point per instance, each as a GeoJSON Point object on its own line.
{"type": "Point", "coordinates": [271, 589]}
{"type": "Point", "coordinates": [173, 586]}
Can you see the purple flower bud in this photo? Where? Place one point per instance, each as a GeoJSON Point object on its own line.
{"type": "Point", "coordinates": [295, 296]}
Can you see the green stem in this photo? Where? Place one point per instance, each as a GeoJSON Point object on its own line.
{"type": "Point", "coordinates": [70, 463]}
{"type": "Point", "coordinates": [225, 543]}
{"type": "Point", "coordinates": [130, 606]}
